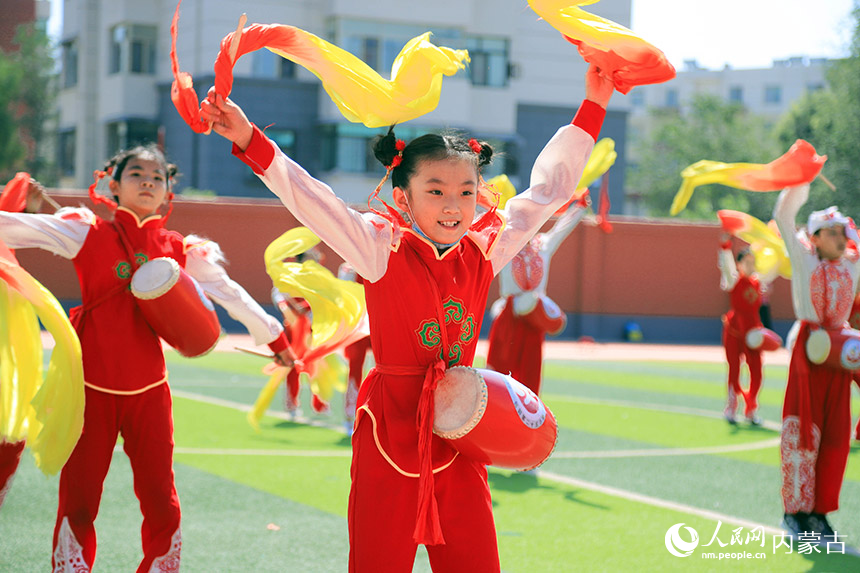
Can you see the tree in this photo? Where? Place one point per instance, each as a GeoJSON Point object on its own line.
{"type": "Point", "coordinates": [830, 120]}
{"type": "Point", "coordinates": [27, 93]}
{"type": "Point", "coordinates": [711, 129]}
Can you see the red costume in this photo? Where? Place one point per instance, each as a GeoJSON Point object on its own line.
{"type": "Point", "coordinates": [743, 316]}
{"type": "Point", "coordinates": [408, 485]}
{"type": "Point", "coordinates": [355, 355]}
{"type": "Point", "coordinates": [10, 455]}
{"type": "Point", "coordinates": [816, 414]}
{"type": "Point", "coordinates": [124, 370]}
{"type": "Point", "coordinates": [854, 322]}
{"type": "Point", "coordinates": [524, 314]}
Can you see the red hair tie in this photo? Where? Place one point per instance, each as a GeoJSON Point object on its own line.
{"type": "Point", "coordinates": [95, 197]}
{"type": "Point", "coordinates": [399, 145]}
{"type": "Point", "coordinates": [476, 146]}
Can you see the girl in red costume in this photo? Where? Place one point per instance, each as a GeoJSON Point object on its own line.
{"type": "Point", "coordinates": [745, 291]}
{"type": "Point", "coordinates": [124, 370]}
{"type": "Point", "coordinates": [426, 286]}
{"type": "Point", "coordinates": [816, 416]}
{"type": "Point", "coordinates": [524, 314]}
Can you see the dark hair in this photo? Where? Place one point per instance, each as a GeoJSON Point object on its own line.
{"type": "Point", "coordinates": [121, 159]}
{"type": "Point", "coordinates": [429, 147]}
{"type": "Point", "coordinates": [742, 253]}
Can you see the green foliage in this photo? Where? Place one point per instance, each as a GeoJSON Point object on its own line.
{"type": "Point", "coordinates": [27, 94]}
{"type": "Point", "coordinates": [830, 120]}
{"type": "Point", "coordinates": [710, 129]}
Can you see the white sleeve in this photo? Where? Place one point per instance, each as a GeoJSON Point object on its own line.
{"type": "Point", "coordinates": [728, 269]}
{"type": "Point", "coordinates": [62, 233]}
{"type": "Point", "coordinates": [803, 259]}
{"type": "Point", "coordinates": [553, 181]}
{"type": "Point", "coordinates": [562, 228]}
{"type": "Point", "coordinates": [203, 263]}
{"type": "Point", "coordinates": [362, 240]}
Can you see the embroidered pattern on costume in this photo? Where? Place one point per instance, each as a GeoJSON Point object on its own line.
{"type": "Point", "coordinates": [169, 562]}
{"type": "Point", "coordinates": [798, 467]}
{"type": "Point", "coordinates": [123, 268]}
{"type": "Point", "coordinates": [430, 337]}
{"type": "Point", "coordinates": [832, 293]}
{"type": "Point", "coordinates": [69, 555]}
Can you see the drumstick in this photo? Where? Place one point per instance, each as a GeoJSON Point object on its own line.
{"type": "Point", "coordinates": [827, 182]}
{"type": "Point", "coordinates": [255, 352]}
{"type": "Point", "coordinates": [47, 199]}
{"type": "Point", "coordinates": [234, 47]}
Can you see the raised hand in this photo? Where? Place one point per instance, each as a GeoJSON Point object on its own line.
{"type": "Point", "coordinates": [227, 119]}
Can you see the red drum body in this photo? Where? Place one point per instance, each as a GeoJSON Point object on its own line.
{"type": "Point", "coordinates": [839, 349]}
{"type": "Point", "coordinates": [763, 339]}
{"type": "Point", "coordinates": [175, 307]}
{"type": "Point", "coordinates": [493, 419]}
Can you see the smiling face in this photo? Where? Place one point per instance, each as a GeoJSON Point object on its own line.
{"type": "Point", "coordinates": [142, 187]}
{"type": "Point", "coordinates": [441, 198]}
{"type": "Point", "coordinates": [830, 242]}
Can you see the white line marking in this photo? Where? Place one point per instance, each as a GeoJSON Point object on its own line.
{"type": "Point", "coordinates": [647, 499]}
{"type": "Point", "coordinates": [775, 426]}
{"type": "Point", "coordinates": [283, 453]}
{"type": "Point", "coordinates": [246, 408]}
{"type": "Point", "coordinates": [657, 452]}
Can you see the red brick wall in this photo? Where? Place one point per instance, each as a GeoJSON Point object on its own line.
{"type": "Point", "coordinates": [657, 268]}
{"type": "Point", "coordinates": [12, 14]}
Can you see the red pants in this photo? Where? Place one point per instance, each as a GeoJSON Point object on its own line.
{"type": "Point", "coordinates": [736, 351]}
{"type": "Point", "coordinates": [383, 506]}
{"type": "Point", "coordinates": [10, 455]}
{"type": "Point", "coordinates": [146, 423]}
{"type": "Point", "coordinates": [355, 353]}
{"type": "Point", "coordinates": [812, 478]}
{"type": "Point", "coordinates": [291, 399]}
{"type": "Point", "coordinates": [516, 347]}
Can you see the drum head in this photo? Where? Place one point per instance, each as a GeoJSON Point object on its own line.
{"type": "Point", "coordinates": [460, 401]}
{"type": "Point", "coordinates": [155, 278]}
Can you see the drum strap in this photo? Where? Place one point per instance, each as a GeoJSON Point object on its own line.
{"type": "Point", "coordinates": [76, 315]}
{"type": "Point", "coordinates": [428, 530]}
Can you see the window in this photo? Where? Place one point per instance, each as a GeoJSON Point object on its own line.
{"type": "Point", "coordinates": [637, 98]}
{"type": "Point", "coordinates": [266, 64]}
{"type": "Point", "coordinates": [66, 152]}
{"type": "Point", "coordinates": [70, 63]}
{"type": "Point", "coordinates": [490, 65]}
{"type": "Point", "coordinates": [772, 94]}
{"type": "Point", "coordinates": [132, 49]}
{"type": "Point", "coordinates": [736, 94]}
{"type": "Point", "coordinates": [284, 138]}
{"type": "Point", "coordinates": [367, 49]}
{"type": "Point", "coordinates": [129, 133]}
{"type": "Point", "coordinates": [671, 98]}
{"type": "Point", "coordinates": [814, 87]}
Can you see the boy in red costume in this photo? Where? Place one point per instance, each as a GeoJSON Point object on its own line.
{"type": "Point", "coordinates": [816, 417]}
{"type": "Point", "coordinates": [426, 285]}
{"type": "Point", "coordinates": [124, 369]}
{"type": "Point", "coordinates": [745, 291]}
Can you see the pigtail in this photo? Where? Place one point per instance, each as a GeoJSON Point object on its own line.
{"type": "Point", "coordinates": [483, 150]}
{"type": "Point", "coordinates": [389, 151]}
{"type": "Point", "coordinates": [385, 147]}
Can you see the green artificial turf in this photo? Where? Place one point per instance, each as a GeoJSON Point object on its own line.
{"type": "Point", "coordinates": [276, 499]}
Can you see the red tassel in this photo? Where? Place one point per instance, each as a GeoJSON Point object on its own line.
{"type": "Point", "coordinates": [428, 530]}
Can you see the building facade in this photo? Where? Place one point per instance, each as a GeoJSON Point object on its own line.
{"type": "Point", "coordinates": [524, 81]}
{"type": "Point", "coordinates": [766, 92]}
